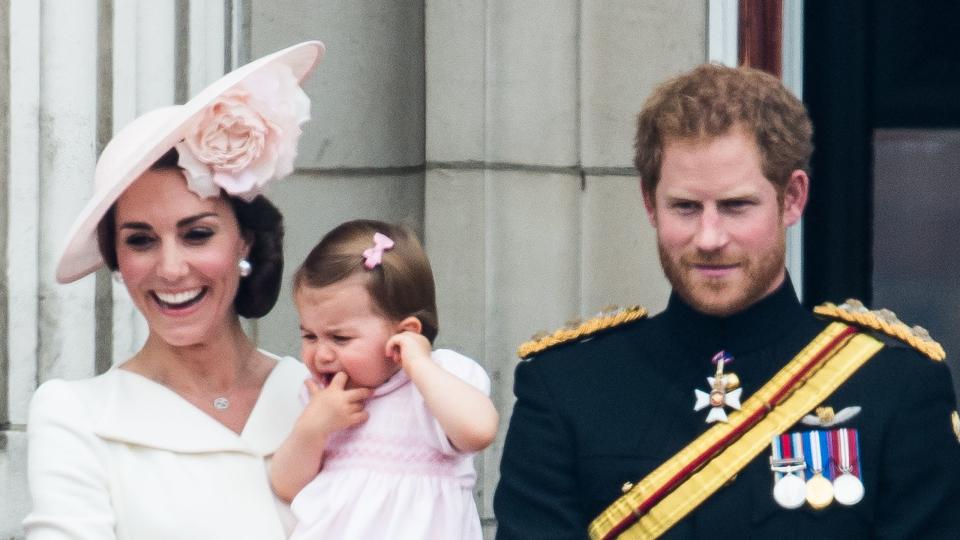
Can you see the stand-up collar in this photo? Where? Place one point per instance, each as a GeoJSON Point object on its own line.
{"type": "Point", "coordinates": [758, 326]}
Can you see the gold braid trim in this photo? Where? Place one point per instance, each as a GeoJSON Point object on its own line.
{"type": "Point", "coordinates": [575, 330]}
{"type": "Point", "coordinates": [886, 322]}
{"type": "Point", "coordinates": [955, 422]}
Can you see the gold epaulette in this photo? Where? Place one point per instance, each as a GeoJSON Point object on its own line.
{"type": "Point", "coordinates": [608, 318]}
{"type": "Point", "coordinates": [884, 321]}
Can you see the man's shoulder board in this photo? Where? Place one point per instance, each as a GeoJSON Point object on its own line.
{"type": "Point", "coordinates": [885, 322]}
{"type": "Point", "coordinates": [610, 317]}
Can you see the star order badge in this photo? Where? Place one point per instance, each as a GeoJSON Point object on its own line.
{"type": "Point", "coordinates": [724, 391]}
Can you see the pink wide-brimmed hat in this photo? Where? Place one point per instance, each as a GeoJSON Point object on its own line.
{"type": "Point", "coordinates": [237, 134]}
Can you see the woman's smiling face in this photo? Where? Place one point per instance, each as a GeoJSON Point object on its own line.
{"type": "Point", "coordinates": [178, 256]}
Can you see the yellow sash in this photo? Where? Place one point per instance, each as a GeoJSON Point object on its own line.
{"type": "Point", "coordinates": [685, 481]}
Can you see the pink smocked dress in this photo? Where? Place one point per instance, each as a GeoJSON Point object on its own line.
{"type": "Point", "coordinates": [396, 475]}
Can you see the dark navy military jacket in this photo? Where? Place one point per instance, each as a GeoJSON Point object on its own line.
{"type": "Point", "coordinates": [593, 414]}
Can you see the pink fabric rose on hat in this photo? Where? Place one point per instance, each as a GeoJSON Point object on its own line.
{"type": "Point", "coordinates": [247, 137]}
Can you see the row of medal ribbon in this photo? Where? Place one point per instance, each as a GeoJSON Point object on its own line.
{"type": "Point", "coordinates": [817, 467]}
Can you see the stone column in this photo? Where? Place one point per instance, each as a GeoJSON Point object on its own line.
{"type": "Point", "coordinates": [361, 155]}
{"type": "Point", "coordinates": [68, 120]}
{"type": "Point", "coordinates": [50, 133]}
{"type": "Point", "coordinates": [533, 212]}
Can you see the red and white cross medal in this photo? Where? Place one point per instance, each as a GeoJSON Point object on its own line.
{"type": "Point", "coordinates": [724, 391]}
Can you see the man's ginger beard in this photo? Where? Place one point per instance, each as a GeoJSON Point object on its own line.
{"type": "Point", "coordinates": [720, 297]}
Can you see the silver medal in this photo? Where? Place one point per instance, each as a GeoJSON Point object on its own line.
{"type": "Point", "coordinates": [789, 488]}
{"type": "Point", "coordinates": [790, 491]}
{"type": "Point", "coordinates": [847, 489]}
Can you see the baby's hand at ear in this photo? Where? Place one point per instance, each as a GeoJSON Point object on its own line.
{"type": "Point", "coordinates": [408, 348]}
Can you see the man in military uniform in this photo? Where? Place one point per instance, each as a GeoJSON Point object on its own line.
{"type": "Point", "coordinates": [862, 444]}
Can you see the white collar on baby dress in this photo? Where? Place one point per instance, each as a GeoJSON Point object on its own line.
{"type": "Point", "coordinates": [142, 412]}
{"type": "Point", "coordinates": [397, 380]}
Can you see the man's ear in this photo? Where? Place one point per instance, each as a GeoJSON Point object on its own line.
{"type": "Point", "coordinates": [795, 197]}
{"type": "Point", "coordinates": [650, 204]}
{"type": "Point", "coordinates": [410, 324]}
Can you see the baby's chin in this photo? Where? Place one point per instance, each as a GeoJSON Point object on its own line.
{"type": "Point", "coordinates": [351, 385]}
{"type": "Point", "coordinates": [372, 385]}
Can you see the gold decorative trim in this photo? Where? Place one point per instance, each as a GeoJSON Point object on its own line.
{"type": "Point", "coordinates": [955, 422]}
{"type": "Point", "coordinates": [609, 317]}
{"type": "Point", "coordinates": [884, 321]}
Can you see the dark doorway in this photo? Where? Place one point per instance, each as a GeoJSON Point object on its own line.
{"type": "Point", "coordinates": [882, 82]}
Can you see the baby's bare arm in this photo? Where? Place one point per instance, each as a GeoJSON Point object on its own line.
{"type": "Point", "coordinates": [466, 415]}
{"type": "Point", "coordinates": [300, 457]}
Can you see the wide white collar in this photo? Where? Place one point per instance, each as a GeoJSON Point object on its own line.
{"type": "Point", "coordinates": [142, 412]}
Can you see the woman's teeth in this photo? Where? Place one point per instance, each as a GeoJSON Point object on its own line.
{"type": "Point", "coordinates": [180, 298]}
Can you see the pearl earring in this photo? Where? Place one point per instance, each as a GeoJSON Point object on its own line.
{"type": "Point", "coordinates": [117, 277]}
{"type": "Point", "coordinates": [245, 267]}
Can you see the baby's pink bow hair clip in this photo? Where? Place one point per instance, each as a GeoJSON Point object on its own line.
{"type": "Point", "coordinates": [373, 256]}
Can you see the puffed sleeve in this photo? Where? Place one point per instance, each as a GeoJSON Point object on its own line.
{"type": "Point", "coordinates": [465, 369]}
{"type": "Point", "coordinates": [920, 479]}
{"type": "Point", "coordinates": [66, 470]}
{"type": "Point", "coordinates": [537, 494]}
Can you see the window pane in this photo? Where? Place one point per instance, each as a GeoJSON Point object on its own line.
{"type": "Point", "coordinates": [916, 243]}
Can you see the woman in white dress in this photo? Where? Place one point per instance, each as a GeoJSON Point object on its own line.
{"type": "Point", "coordinates": [176, 441]}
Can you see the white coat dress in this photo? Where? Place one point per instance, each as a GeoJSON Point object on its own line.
{"type": "Point", "coordinates": [119, 456]}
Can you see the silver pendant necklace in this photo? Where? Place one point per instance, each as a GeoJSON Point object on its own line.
{"type": "Point", "coordinates": [221, 403]}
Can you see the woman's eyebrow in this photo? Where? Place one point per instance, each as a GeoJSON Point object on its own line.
{"type": "Point", "coordinates": [141, 226]}
{"type": "Point", "coordinates": [138, 225]}
{"type": "Point", "coordinates": [190, 219]}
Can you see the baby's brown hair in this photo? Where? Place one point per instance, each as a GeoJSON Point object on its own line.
{"type": "Point", "coordinates": [400, 286]}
